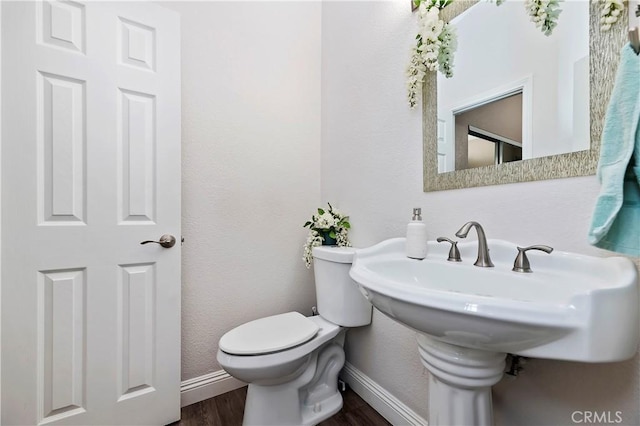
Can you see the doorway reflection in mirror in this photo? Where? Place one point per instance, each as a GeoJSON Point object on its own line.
{"type": "Point", "coordinates": [500, 54]}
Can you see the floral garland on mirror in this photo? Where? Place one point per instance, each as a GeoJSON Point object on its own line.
{"type": "Point", "coordinates": [544, 14]}
{"type": "Point", "coordinates": [611, 10]}
{"type": "Point", "coordinates": [434, 48]}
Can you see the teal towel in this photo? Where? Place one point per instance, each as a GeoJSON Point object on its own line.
{"type": "Point", "coordinates": [615, 224]}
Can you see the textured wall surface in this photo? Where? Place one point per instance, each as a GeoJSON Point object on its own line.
{"type": "Point", "coordinates": [372, 169]}
{"type": "Point", "coordinates": [251, 165]}
{"type": "Point", "coordinates": [258, 156]}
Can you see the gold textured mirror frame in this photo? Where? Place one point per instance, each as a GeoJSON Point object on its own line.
{"type": "Point", "coordinates": [604, 55]}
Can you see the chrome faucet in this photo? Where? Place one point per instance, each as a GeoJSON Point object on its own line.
{"type": "Point", "coordinates": [483, 259]}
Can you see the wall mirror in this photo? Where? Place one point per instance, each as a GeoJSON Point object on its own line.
{"type": "Point", "coordinates": [509, 115]}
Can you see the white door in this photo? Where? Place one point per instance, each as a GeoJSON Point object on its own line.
{"type": "Point", "coordinates": [90, 168]}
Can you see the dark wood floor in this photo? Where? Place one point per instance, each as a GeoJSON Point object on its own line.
{"type": "Point", "coordinates": [227, 409]}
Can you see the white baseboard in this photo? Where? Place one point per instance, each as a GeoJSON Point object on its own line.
{"type": "Point", "coordinates": [377, 397]}
{"type": "Point", "coordinates": [219, 382]}
{"type": "Point", "coordinates": [207, 386]}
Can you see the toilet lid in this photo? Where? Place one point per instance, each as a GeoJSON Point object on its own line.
{"type": "Point", "coordinates": [270, 334]}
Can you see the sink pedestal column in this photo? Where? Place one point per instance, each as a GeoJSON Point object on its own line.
{"type": "Point", "coordinates": [460, 382]}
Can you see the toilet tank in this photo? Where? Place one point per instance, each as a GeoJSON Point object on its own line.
{"type": "Point", "coordinates": [338, 297]}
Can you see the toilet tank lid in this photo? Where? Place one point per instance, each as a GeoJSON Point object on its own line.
{"type": "Point", "coordinates": [269, 334]}
{"type": "Point", "coordinates": [334, 253]}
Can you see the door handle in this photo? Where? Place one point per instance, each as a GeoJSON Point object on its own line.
{"type": "Point", "coordinates": [166, 241]}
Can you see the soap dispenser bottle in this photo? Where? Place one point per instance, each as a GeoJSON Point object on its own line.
{"type": "Point", "coordinates": [416, 245]}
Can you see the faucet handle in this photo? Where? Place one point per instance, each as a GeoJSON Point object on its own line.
{"type": "Point", "coordinates": [454, 253]}
{"type": "Point", "coordinates": [521, 263]}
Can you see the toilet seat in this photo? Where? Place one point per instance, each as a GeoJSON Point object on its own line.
{"type": "Point", "coordinates": [270, 334]}
{"type": "Point", "coordinates": [251, 368]}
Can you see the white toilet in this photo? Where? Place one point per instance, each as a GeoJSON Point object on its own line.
{"type": "Point", "coordinates": [291, 362]}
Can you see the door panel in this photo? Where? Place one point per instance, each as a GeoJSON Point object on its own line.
{"type": "Point", "coordinates": [90, 168]}
{"type": "Point", "coordinates": [61, 341]}
{"type": "Point", "coordinates": [136, 143]}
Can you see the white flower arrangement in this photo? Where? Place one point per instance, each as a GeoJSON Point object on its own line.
{"type": "Point", "coordinates": [325, 225]}
{"type": "Point", "coordinates": [434, 48]}
{"type": "Point", "coordinates": [611, 10]}
{"type": "Point", "coordinates": [544, 14]}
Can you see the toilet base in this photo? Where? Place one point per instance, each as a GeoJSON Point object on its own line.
{"type": "Point", "coordinates": [275, 407]}
{"type": "Point", "coordinates": [307, 400]}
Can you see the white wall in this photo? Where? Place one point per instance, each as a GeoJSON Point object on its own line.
{"type": "Point", "coordinates": [372, 168]}
{"type": "Point", "coordinates": [251, 165]}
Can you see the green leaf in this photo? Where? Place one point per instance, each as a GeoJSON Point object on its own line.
{"type": "Point", "coordinates": [332, 234]}
{"type": "Point", "coordinates": [346, 225]}
{"type": "Point", "coordinates": [307, 224]}
{"type": "Point", "coordinates": [320, 211]}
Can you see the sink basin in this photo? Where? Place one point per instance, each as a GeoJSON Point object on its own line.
{"type": "Point", "coordinates": [571, 307]}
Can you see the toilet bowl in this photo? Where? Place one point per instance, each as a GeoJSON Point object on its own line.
{"type": "Point", "coordinates": [291, 362]}
{"type": "Point", "coordinates": [291, 386]}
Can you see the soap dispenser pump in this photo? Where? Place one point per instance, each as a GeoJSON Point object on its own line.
{"type": "Point", "coordinates": [416, 245]}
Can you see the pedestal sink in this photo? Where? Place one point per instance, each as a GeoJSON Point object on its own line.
{"type": "Point", "coordinates": [571, 307]}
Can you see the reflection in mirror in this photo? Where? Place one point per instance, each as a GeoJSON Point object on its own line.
{"type": "Point", "coordinates": [489, 149]}
{"type": "Point", "coordinates": [604, 56]}
{"type": "Point", "coordinates": [498, 122]}
{"type": "Point", "coordinates": [524, 89]}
